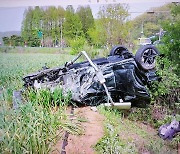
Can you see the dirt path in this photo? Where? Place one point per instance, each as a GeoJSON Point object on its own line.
{"type": "Point", "coordinates": [143, 137]}
{"type": "Point", "coordinates": [93, 131]}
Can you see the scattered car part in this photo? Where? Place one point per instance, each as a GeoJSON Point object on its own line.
{"type": "Point", "coordinates": [93, 82]}
{"type": "Point", "coordinates": [17, 99]}
{"type": "Point", "coordinates": [168, 131]}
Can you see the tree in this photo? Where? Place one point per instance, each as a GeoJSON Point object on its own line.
{"type": "Point", "coordinates": [151, 21]}
{"type": "Point", "coordinates": [112, 26]}
{"type": "Point", "coordinates": [94, 34]}
{"type": "Point", "coordinates": [6, 41]}
{"type": "Point", "coordinates": [72, 25]}
{"type": "Point", "coordinates": [13, 40]}
{"type": "Point", "coordinates": [87, 20]}
{"type": "Point", "coordinates": [171, 38]}
{"type": "Point", "coordinates": [31, 25]}
{"type": "Point", "coordinates": [26, 28]}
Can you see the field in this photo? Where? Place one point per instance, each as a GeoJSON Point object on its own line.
{"type": "Point", "coordinates": [41, 120]}
{"type": "Point", "coordinates": [33, 127]}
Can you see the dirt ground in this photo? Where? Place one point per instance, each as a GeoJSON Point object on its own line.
{"type": "Point", "coordinates": [92, 124]}
{"type": "Point", "coordinates": [92, 127]}
{"type": "Point", "coordinates": [93, 131]}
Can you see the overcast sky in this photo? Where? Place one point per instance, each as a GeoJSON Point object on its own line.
{"type": "Point", "coordinates": [11, 11]}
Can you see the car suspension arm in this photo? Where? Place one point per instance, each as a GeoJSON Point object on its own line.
{"type": "Point", "coordinates": [99, 74]}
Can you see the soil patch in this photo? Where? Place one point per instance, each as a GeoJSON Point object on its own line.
{"type": "Point", "coordinates": [93, 131]}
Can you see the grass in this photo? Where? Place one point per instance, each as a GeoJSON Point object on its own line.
{"type": "Point", "coordinates": [37, 125]}
{"type": "Point", "coordinates": [39, 122]}
{"type": "Point", "coordinates": [13, 66]}
{"type": "Point", "coordinates": [125, 136]}
{"type": "Point", "coordinates": [111, 142]}
{"type": "Point", "coordinates": [50, 50]}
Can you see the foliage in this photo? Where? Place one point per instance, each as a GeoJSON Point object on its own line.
{"type": "Point", "coordinates": [77, 45]}
{"type": "Point", "coordinates": [151, 22]}
{"type": "Point", "coordinates": [125, 136]}
{"type": "Point", "coordinates": [92, 52]}
{"type": "Point", "coordinates": [167, 91]}
{"type": "Point", "coordinates": [31, 26]}
{"type": "Point", "coordinates": [112, 24]}
{"type": "Point", "coordinates": [47, 21]}
{"type": "Point", "coordinates": [14, 40]}
{"type": "Point", "coordinates": [52, 26]}
{"type": "Point", "coordinates": [72, 24]}
{"type": "Point", "coordinates": [6, 41]}
{"type": "Point", "coordinates": [87, 20]}
{"type": "Point", "coordinates": [171, 38]}
{"type": "Point", "coordinates": [47, 98]}
{"type": "Point", "coordinates": [111, 142]}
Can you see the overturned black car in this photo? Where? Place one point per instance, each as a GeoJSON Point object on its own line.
{"type": "Point", "coordinates": [121, 77]}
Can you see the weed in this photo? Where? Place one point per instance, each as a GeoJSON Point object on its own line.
{"type": "Point", "coordinates": [111, 142]}
{"type": "Point", "coordinates": [125, 136]}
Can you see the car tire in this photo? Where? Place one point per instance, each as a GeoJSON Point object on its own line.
{"type": "Point", "coordinates": [146, 57]}
{"type": "Point", "coordinates": [118, 50]}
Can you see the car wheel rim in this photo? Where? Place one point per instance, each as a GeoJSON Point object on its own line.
{"type": "Point", "coordinates": [148, 56]}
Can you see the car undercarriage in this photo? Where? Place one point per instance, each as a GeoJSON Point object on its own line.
{"type": "Point", "coordinates": [120, 77]}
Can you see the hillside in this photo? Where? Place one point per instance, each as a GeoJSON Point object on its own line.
{"type": "Point", "coordinates": [151, 21]}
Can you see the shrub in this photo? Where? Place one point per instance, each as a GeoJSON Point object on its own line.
{"type": "Point", "coordinates": [77, 45]}
{"type": "Point", "coordinates": [167, 91]}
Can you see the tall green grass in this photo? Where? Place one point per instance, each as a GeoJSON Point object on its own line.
{"type": "Point", "coordinates": [14, 66]}
{"type": "Point", "coordinates": [39, 122]}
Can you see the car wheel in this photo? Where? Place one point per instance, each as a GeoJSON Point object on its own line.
{"type": "Point", "coordinates": [146, 57]}
{"type": "Point", "coordinates": [118, 50]}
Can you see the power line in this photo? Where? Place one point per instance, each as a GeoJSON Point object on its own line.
{"type": "Point", "coordinates": [149, 12]}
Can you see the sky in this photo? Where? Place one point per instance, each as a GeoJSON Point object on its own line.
{"type": "Point", "coordinates": [11, 11]}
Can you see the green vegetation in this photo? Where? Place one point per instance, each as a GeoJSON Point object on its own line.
{"type": "Point", "coordinates": [171, 39]}
{"type": "Point", "coordinates": [112, 142]}
{"type": "Point", "coordinates": [37, 125]}
{"type": "Point", "coordinates": [112, 25]}
{"type": "Point", "coordinates": [39, 122]}
{"type": "Point", "coordinates": [125, 136]}
{"type": "Point", "coordinates": [56, 27]}
{"type": "Point", "coordinates": [50, 50]}
{"type": "Point", "coordinates": [151, 22]}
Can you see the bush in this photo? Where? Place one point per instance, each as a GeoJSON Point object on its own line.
{"type": "Point", "coordinates": [167, 91]}
{"type": "Point", "coordinates": [77, 45]}
{"type": "Point", "coordinates": [165, 97]}
{"type": "Point", "coordinates": [171, 39]}
{"type": "Point", "coordinates": [92, 53]}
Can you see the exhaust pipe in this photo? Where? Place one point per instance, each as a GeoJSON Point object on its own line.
{"type": "Point", "coordinates": [125, 106]}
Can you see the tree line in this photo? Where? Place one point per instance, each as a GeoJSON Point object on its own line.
{"type": "Point", "coordinates": [56, 26]}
